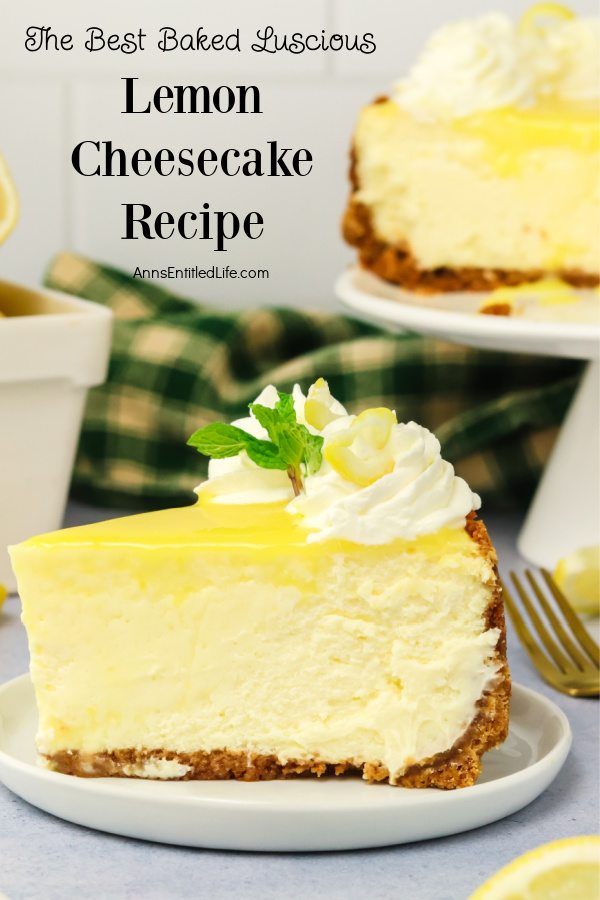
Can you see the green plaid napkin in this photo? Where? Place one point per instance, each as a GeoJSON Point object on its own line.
{"type": "Point", "coordinates": [176, 366]}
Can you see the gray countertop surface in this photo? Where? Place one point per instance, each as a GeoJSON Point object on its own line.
{"type": "Point", "coordinates": [46, 858]}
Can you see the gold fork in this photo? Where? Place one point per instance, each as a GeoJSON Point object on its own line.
{"type": "Point", "coordinates": [571, 663]}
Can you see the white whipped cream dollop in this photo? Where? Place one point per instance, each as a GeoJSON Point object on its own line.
{"type": "Point", "coordinates": [466, 67]}
{"type": "Point", "coordinates": [380, 480]}
{"type": "Point", "coordinates": [574, 47]}
{"type": "Point", "coordinates": [491, 62]}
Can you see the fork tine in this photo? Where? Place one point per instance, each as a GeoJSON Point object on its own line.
{"type": "Point", "coordinates": [578, 656]}
{"type": "Point", "coordinates": [538, 658]}
{"type": "Point", "coordinates": [586, 641]}
{"type": "Point", "coordinates": [559, 658]}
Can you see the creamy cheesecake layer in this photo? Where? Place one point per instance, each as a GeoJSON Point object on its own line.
{"type": "Point", "coordinates": [179, 632]}
{"type": "Point", "coordinates": [506, 189]}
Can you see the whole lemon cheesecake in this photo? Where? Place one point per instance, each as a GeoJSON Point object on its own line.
{"type": "Point", "coordinates": [330, 604]}
{"type": "Point", "coordinates": [482, 169]}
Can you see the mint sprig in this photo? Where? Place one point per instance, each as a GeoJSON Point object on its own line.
{"type": "Point", "coordinates": [291, 447]}
{"type": "Point", "coordinates": [220, 441]}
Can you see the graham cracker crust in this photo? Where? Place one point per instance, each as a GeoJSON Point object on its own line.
{"type": "Point", "coordinates": [456, 767]}
{"type": "Point", "coordinates": [398, 265]}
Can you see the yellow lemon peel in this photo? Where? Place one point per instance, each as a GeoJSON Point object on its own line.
{"type": "Point", "coordinates": [319, 407]}
{"type": "Point", "coordinates": [531, 22]}
{"type": "Point", "coordinates": [363, 452]}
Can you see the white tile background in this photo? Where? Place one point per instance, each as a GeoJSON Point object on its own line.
{"type": "Point", "coordinates": [50, 101]}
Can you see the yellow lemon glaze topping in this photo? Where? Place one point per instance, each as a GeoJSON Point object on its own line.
{"type": "Point", "coordinates": [546, 291]}
{"type": "Point", "coordinates": [510, 133]}
{"type": "Point", "coordinates": [265, 527]}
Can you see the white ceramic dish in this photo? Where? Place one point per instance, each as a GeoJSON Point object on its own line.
{"type": "Point", "coordinates": [53, 347]}
{"type": "Point", "coordinates": [295, 815]}
{"type": "Point", "coordinates": [455, 318]}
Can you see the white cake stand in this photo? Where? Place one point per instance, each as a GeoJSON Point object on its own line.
{"type": "Point", "coordinates": [565, 512]}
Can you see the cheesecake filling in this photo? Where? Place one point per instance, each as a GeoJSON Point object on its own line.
{"type": "Point", "coordinates": [475, 193]}
{"type": "Point", "coordinates": [454, 169]}
{"type": "Point", "coordinates": [300, 656]}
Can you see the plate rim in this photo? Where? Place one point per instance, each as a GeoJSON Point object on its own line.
{"type": "Point", "coordinates": [423, 797]}
{"type": "Point", "coordinates": [457, 322]}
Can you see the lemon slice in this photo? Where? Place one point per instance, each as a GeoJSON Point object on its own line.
{"type": "Point", "coordinates": [578, 577]}
{"type": "Point", "coordinates": [562, 870]}
{"type": "Point", "coordinates": [9, 203]}
{"type": "Point", "coordinates": [531, 22]}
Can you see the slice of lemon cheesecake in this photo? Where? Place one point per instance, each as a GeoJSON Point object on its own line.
{"type": "Point", "coordinates": [330, 604]}
{"type": "Point", "coordinates": [483, 168]}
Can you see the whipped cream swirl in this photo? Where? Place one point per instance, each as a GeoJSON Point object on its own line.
{"type": "Point", "coordinates": [466, 67]}
{"type": "Point", "coordinates": [380, 480]}
{"type": "Point", "coordinates": [491, 62]}
{"type": "Point", "coordinates": [574, 49]}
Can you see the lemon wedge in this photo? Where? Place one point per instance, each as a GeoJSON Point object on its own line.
{"type": "Point", "coordinates": [578, 577]}
{"type": "Point", "coordinates": [531, 22]}
{"type": "Point", "coordinates": [3, 594]}
{"type": "Point", "coordinates": [9, 203]}
{"type": "Point", "coordinates": [562, 870]}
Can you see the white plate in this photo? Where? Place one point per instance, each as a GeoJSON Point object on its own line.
{"type": "Point", "coordinates": [294, 815]}
{"type": "Point", "coordinates": [454, 316]}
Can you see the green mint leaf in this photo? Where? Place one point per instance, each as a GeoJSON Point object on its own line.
{"type": "Point", "coordinates": [285, 407]}
{"type": "Point", "coordinates": [313, 456]}
{"type": "Point", "coordinates": [268, 418]}
{"type": "Point", "coordinates": [295, 442]}
{"type": "Point", "coordinates": [291, 444]}
{"type": "Point", "coordinates": [265, 455]}
{"type": "Point", "coordinates": [219, 440]}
